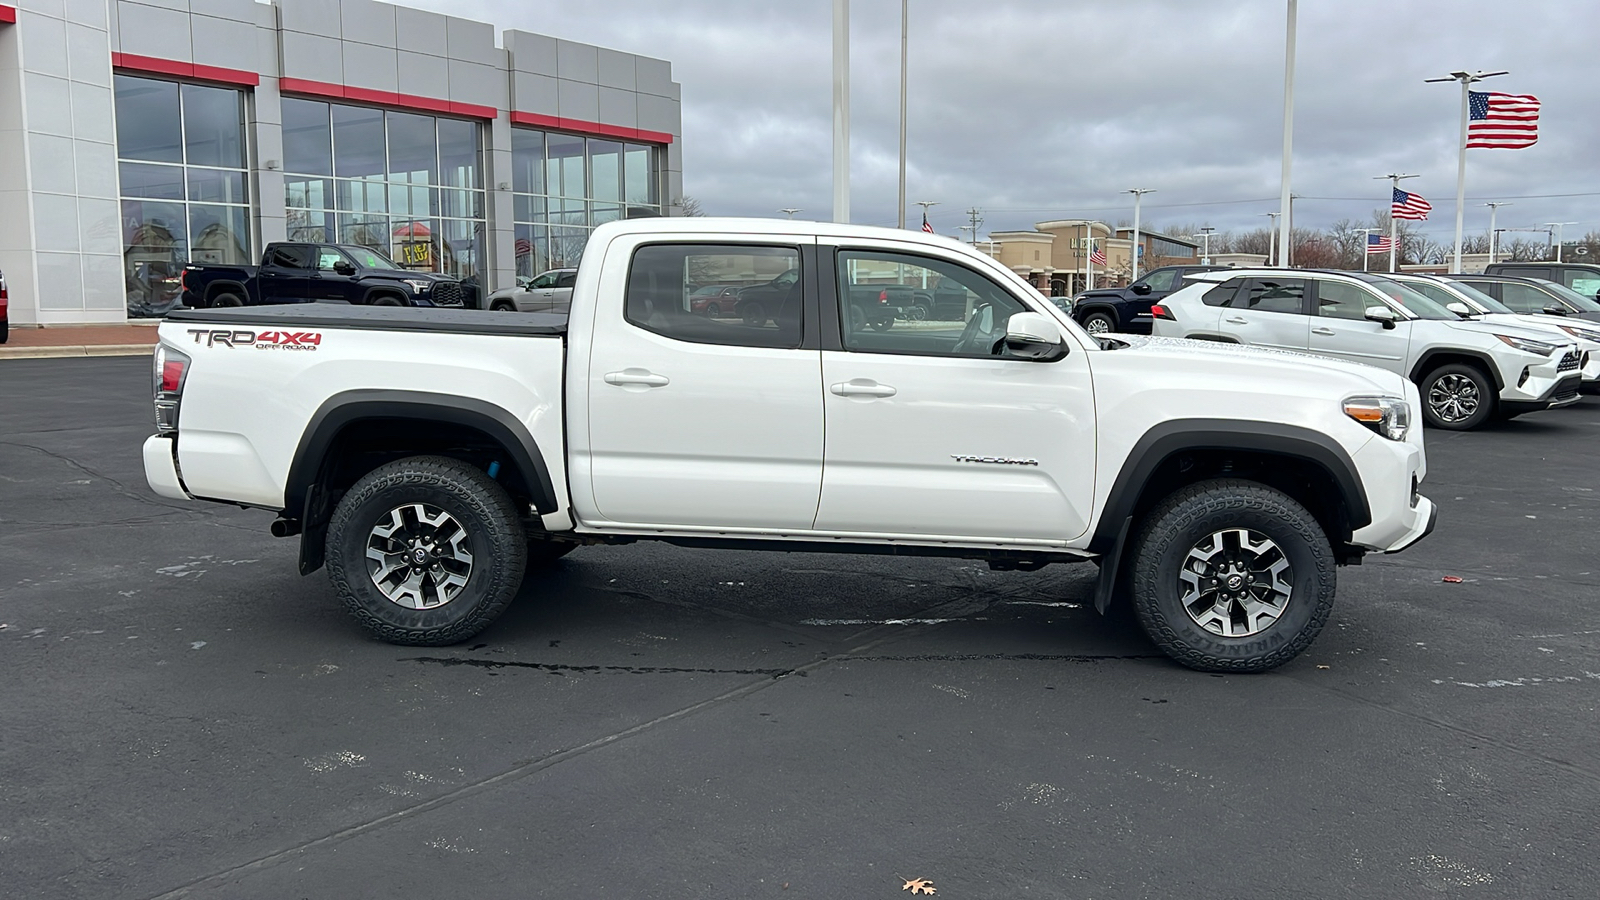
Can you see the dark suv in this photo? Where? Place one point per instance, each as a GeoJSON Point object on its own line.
{"type": "Point", "coordinates": [1581, 277]}
{"type": "Point", "coordinates": [1127, 309]}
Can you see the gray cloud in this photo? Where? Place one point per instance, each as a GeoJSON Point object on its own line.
{"type": "Point", "coordinates": [1031, 109]}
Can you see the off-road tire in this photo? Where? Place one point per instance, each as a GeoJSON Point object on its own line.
{"type": "Point", "coordinates": [1189, 515]}
{"type": "Point", "coordinates": [494, 536]}
{"type": "Point", "coordinates": [386, 300]}
{"type": "Point", "coordinates": [226, 300]}
{"type": "Point", "coordinates": [1487, 397]}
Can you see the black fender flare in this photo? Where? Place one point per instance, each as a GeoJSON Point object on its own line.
{"type": "Point", "coordinates": [302, 499]}
{"type": "Point", "coordinates": [1163, 441]}
{"type": "Point", "coordinates": [1426, 364]}
{"type": "Point", "coordinates": [230, 286]}
{"type": "Point", "coordinates": [1084, 308]}
{"type": "Point", "coordinates": [387, 289]}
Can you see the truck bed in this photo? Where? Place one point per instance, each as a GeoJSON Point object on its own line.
{"type": "Point", "coordinates": [379, 318]}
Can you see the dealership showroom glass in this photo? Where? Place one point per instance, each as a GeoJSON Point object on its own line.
{"type": "Point", "coordinates": [152, 137]}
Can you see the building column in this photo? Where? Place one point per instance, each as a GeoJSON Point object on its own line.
{"type": "Point", "coordinates": [266, 164]}
{"type": "Point", "coordinates": [500, 243]}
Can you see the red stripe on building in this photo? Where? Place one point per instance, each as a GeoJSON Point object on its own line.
{"type": "Point", "coordinates": [591, 128]}
{"type": "Point", "coordinates": [383, 98]}
{"type": "Point", "coordinates": [129, 62]}
{"type": "Point", "coordinates": [8, 15]}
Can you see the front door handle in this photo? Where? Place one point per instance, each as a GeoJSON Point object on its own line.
{"type": "Point", "coordinates": [1322, 331]}
{"type": "Point", "coordinates": [862, 387]}
{"type": "Point", "coordinates": [1237, 321]}
{"type": "Point", "coordinates": [637, 376]}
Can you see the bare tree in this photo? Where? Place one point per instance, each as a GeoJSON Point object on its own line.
{"type": "Point", "coordinates": [689, 206]}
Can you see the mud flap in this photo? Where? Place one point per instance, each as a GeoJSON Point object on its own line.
{"type": "Point", "coordinates": [1106, 587]}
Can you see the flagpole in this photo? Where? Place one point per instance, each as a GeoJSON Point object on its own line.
{"type": "Point", "coordinates": [1285, 209]}
{"type": "Point", "coordinates": [904, 21]}
{"type": "Point", "coordinates": [1466, 79]}
{"type": "Point", "coordinates": [1394, 185]}
{"type": "Point", "coordinates": [841, 110]}
{"type": "Point", "coordinates": [1088, 256]}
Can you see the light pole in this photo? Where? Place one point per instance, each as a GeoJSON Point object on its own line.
{"type": "Point", "coordinates": [1466, 79]}
{"type": "Point", "coordinates": [1205, 240]}
{"type": "Point", "coordinates": [790, 211]}
{"type": "Point", "coordinates": [1494, 243]}
{"type": "Point", "coordinates": [841, 110]}
{"type": "Point", "coordinates": [1088, 255]}
{"type": "Point", "coordinates": [925, 204]}
{"type": "Point", "coordinates": [1284, 200]}
{"type": "Point", "coordinates": [1394, 242]}
{"type": "Point", "coordinates": [1272, 236]}
{"type": "Point", "coordinates": [905, 18]}
{"type": "Point", "coordinates": [1557, 227]}
{"type": "Point", "coordinates": [1138, 195]}
{"type": "Point", "coordinates": [1494, 234]}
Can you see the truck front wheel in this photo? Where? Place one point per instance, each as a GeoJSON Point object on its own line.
{"type": "Point", "coordinates": [426, 551]}
{"type": "Point", "coordinates": [1232, 576]}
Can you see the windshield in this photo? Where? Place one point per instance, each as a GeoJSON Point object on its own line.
{"type": "Point", "coordinates": [1479, 298]}
{"type": "Point", "coordinates": [1585, 304]}
{"type": "Point", "coordinates": [1414, 302]}
{"type": "Point", "coordinates": [368, 258]}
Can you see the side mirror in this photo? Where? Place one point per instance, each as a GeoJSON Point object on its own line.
{"type": "Point", "coordinates": [1383, 315]}
{"type": "Point", "coordinates": [1555, 309]}
{"type": "Point", "coordinates": [342, 267]}
{"type": "Point", "coordinates": [1140, 288]}
{"type": "Point", "coordinates": [1031, 335]}
{"type": "Point", "coordinates": [1459, 308]}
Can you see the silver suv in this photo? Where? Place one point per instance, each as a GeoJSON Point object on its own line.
{"type": "Point", "coordinates": [1468, 372]}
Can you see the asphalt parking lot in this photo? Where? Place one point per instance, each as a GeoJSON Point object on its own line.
{"type": "Point", "coordinates": [184, 715]}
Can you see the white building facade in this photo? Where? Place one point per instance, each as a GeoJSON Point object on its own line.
{"type": "Point", "coordinates": [140, 135]}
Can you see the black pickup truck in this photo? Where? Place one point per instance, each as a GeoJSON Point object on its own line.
{"type": "Point", "coordinates": [292, 272]}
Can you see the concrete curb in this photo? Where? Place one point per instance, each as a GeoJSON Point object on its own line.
{"type": "Point", "coordinates": [78, 351]}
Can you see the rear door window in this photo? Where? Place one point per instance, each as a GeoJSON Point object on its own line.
{"type": "Point", "coordinates": [1525, 298]}
{"type": "Point", "coordinates": [1584, 281]}
{"type": "Point", "coordinates": [290, 256]}
{"type": "Point", "coordinates": [566, 279]}
{"type": "Point", "coordinates": [1222, 294]}
{"type": "Point", "coordinates": [770, 305]}
{"type": "Point", "coordinates": [1279, 295]}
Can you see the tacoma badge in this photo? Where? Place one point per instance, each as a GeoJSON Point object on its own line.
{"type": "Point", "coordinates": [995, 460]}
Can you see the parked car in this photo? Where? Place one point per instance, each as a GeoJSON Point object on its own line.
{"type": "Point", "coordinates": [1127, 309]}
{"type": "Point", "coordinates": [5, 313]}
{"type": "Point", "coordinates": [1226, 483]}
{"type": "Point", "coordinates": [1466, 300]}
{"type": "Point", "coordinates": [1582, 278]}
{"type": "Point", "coordinates": [714, 299]}
{"type": "Point", "coordinates": [1062, 303]}
{"type": "Point", "coordinates": [1534, 295]}
{"type": "Point", "coordinates": [549, 292]}
{"type": "Point", "coordinates": [294, 272]}
{"type": "Point", "coordinates": [1468, 372]}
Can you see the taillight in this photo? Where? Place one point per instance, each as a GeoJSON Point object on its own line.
{"type": "Point", "coordinates": [171, 368]}
{"type": "Point", "coordinates": [183, 280]}
{"type": "Point", "coordinates": [883, 296]}
{"type": "Point", "coordinates": [1161, 312]}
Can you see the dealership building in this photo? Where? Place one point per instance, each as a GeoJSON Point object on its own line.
{"type": "Point", "coordinates": [136, 137]}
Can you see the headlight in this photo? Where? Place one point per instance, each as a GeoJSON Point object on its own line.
{"type": "Point", "coordinates": [1587, 334]}
{"type": "Point", "coordinates": [1388, 416]}
{"type": "Point", "coordinates": [418, 285]}
{"type": "Point", "coordinates": [1527, 346]}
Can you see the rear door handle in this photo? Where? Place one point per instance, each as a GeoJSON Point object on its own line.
{"type": "Point", "coordinates": [1322, 331]}
{"type": "Point", "coordinates": [862, 387]}
{"type": "Point", "coordinates": [1237, 321]}
{"type": "Point", "coordinates": [637, 376]}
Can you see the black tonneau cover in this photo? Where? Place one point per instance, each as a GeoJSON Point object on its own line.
{"type": "Point", "coordinates": [379, 318]}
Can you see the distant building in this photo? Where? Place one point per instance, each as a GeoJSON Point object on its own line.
{"type": "Point", "coordinates": [1054, 257]}
{"type": "Point", "coordinates": [1162, 250]}
{"type": "Point", "coordinates": [1239, 260]}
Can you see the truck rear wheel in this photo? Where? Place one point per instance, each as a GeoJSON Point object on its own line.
{"type": "Point", "coordinates": [426, 551]}
{"type": "Point", "coordinates": [1232, 576]}
{"type": "Point", "coordinates": [226, 299]}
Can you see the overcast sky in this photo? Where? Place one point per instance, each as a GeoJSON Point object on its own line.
{"type": "Point", "coordinates": [1039, 109]}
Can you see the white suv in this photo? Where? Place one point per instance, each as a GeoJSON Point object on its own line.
{"type": "Point", "coordinates": [1466, 300]}
{"type": "Point", "coordinates": [1468, 372]}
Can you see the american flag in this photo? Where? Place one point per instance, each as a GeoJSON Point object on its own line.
{"type": "Point", "coordinates": [1505, 121]}
{"type": "Point", "coordinates": [1409, 206]}
{"type": "Point", "coordinates": [925, 226]}
{"type": "Point", "coordinates": [1377, 243]}
{"type": "Point", "coordinates": [1096, 255]}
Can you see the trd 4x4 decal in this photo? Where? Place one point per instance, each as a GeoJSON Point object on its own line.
{"type": "Point", "coordinates": [266, 340]}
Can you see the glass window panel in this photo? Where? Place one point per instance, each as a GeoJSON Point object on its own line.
{"type": "Point", "coordinates": [569, 212]}
{"type": "Point", "coordinates": [605, 168]}
{"type": "Point", "coordinates": [566, 247]}
{"type": "Point", "coordinates": [357, 141]}
{"type": "Point", "coordinates": [311, 225]}
{"type": "Point", "coordinates": [411, 200]}
{"type": "Point", "coordinates": [149, 125]}
{"type": "Point", "coordinates": [603, 213]}
{"type": "Point", "coordinates": [528, 209]}
{"type": "Point", "coordinates": [531, 244]}
{"type": "Point", "coordinates": [308, 193]}
{"type": "Point", "coordinates": [463, 204]}
{"type": "Point", "coordinates": [964, 312]}
{"type": "Point", "coordinates": [155, 242]}
{"type": "Point", "coordinates": [413, 244]}
{"type": "Point", "coordinates": [413, 149]}
{"type": "Point", "coordinates": [661, 294]}
{"type": "Point", "coordinates": [361, 196]}
{"type": "Point", "coordinates": [364, 229]}
{"type": "Point", "coordinates": [527, 161]}
{"type": "Point", "coordinates": [640, 175]}
{"type": "Point", "coordinates": [461, 249]}
{"type": "Point", "coordinates": [221, 235]}
{"type": "Point", "coordinates": [307, 142]}
{"type": "Point", "coordinates": [213, 126]}
{"type": "Point", "coordinates": [217, 186]}
{"type": "Point", "coordinates": [154, 182]}
{"type": "Point", "coordinates": [564, 165]}
{"type": "Point", "coordinates": [458, 153]}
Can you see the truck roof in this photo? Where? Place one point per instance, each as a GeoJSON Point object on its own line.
{"type": "Point", "coordinates": [742, 226]}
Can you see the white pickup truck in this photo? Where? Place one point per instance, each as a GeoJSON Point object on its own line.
{"type": "Point", "coordinates": [427, 456]}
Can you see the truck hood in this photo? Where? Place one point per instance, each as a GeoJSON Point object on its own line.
{"type": "Point", "coordinates": [1263, 362]}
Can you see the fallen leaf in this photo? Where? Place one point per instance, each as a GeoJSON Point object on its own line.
{"type": "Point", "coordinates": [1452, 579]}
{"type": "Point", "coordinates": [918, 886]}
